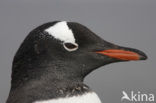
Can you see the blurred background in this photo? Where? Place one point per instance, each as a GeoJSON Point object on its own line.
{"type": "Point", "coordinates": [130, 23]}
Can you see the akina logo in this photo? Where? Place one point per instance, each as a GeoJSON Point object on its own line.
{"type": "Point", "coordinates": [137, 97]}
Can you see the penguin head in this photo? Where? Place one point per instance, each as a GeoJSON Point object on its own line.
{"type": "Point", "coordinates": [71, 49]}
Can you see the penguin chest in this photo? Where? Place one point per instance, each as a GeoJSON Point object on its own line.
{"type": "Point", "coordinates": [85, 98]}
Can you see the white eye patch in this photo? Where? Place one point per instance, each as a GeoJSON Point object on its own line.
{"type": "Point", "coordinates": [62, 32]}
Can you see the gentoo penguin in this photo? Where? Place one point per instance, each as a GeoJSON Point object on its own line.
{"type": "Point", "coordinates": [53, 60]}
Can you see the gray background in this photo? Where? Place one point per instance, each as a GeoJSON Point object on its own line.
{"type": "Point", "coordinates": [129, 23]}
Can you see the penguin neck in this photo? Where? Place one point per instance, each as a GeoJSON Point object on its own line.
{"type": "Point", "coordinates": [53, 84]}
{"type": "Point", "coordinates": [46, 75]}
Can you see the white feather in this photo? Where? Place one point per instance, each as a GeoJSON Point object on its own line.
{"type": "Point", "coordinates": [62, 32]}
{"type": "Point", "coordinates": [85, 98]}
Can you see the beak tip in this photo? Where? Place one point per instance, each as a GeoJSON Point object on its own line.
{"type": "Point", "coordinates": [143, 56]}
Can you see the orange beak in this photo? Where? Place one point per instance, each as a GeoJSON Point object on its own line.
{"type": "Point", "coordinates": [120, 54]}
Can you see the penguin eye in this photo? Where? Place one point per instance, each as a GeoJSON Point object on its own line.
{"type": "Point", "coordinates": [70, 46]}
